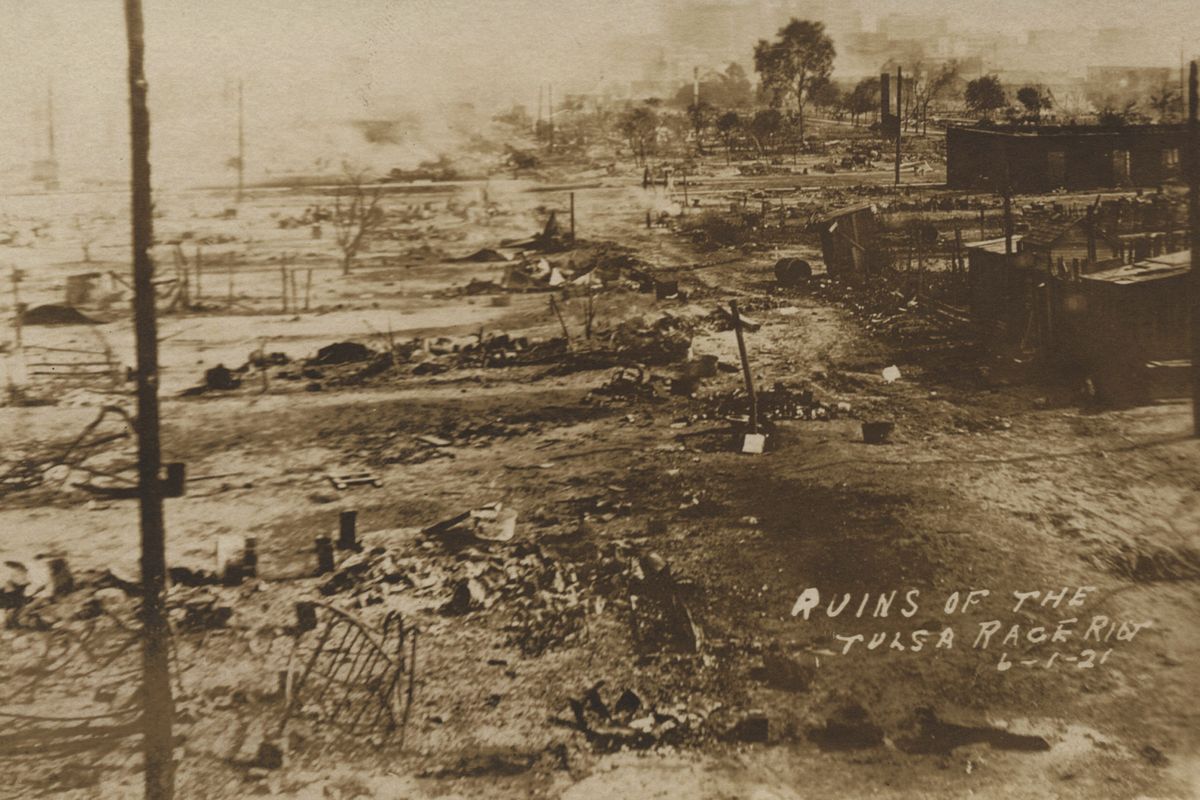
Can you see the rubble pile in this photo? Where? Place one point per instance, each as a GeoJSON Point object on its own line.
{"type": "Point", "coordinates": [630, 722]}
{"type": "Point", "coordinates": [629, 383]}
{"type": "Point", "coordinates": [888, 307]}
{"type": "Point", "coordinates": [777, 403]}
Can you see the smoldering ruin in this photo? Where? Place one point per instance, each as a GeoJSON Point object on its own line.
{"type": "Point", "coordinates": [397, 406]}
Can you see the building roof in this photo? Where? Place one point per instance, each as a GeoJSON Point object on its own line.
{"type": "Point", "coordinates": [1152, 269]}
{"type": "Point", "coordinates": [1069, 130]}
{"type": "Point", "coordinates": [993, 245]}
{"type": "Point", "coordinates": [1046, 234]}
{"type": "Point", "coordinates": [847, 211]}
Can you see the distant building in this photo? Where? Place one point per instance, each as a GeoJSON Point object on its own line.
{"type": "Point", "coordinates": [1118, 86]}
{"type": "Point", "coordinates": [1046, 158]}
{"type": "Point", "coordinates": [913, 26]}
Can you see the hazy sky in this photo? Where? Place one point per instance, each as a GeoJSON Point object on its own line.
{"type": "Point", "coordinates": [309, 63]}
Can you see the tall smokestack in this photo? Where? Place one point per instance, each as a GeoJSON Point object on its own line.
{"type": "Point", "coordinates": [695, 86]}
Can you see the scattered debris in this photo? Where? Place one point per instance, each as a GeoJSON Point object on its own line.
{"type": "Point", "coordinates": [52, 314]}
{"type": "Point", "coordinates": [877, 432]}
{"type": "Point", "coordinates": [630, 723]}
{"type": "Point", "coordinates": [343, 480]}
{"type": "Point", "coordinates": [792, 271]}
{"type": "Point", "coordinates": [342, 353]}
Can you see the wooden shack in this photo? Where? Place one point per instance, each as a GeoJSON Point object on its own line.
{"type": "Point", "coordinates": [1065, 243]}
{"type": "Point", "coordinates": [849, 242]}
{"type": "Point", "coordinates": [1119, 322]}
{"type": "Point", "coordinates": [1000, 285]}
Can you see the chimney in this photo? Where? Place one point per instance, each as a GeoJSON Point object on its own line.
{"type": "Point", "coordinates": [885, 96]}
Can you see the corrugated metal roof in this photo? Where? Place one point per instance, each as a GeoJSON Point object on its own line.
{"type": "Point", "coordinates": [1153, 269]}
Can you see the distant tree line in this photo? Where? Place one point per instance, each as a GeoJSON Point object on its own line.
{"type": "Point", "coordinates": [724, 110]}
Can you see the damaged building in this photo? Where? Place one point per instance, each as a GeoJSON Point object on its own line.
{"type": "Point", "coordinates": [1127, 326]}
{"type": "Point", "coordinates": [1045, 158]}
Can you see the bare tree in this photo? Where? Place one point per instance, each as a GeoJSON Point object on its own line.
{"type": "Point", "coordinates": [356, 213]}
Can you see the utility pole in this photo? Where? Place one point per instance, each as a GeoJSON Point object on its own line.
{"type": "Point", "coordinates": [899, 108]}
{"type": "Point", "coordinates": [157, 703]}
{"type": "Point", "coordinates": [241, 163]}
{"type": "Point", "coordinates": [1194, 220]}
{"type": "Point", "coordinates": [18, 307]}
{"type": "Point", "coordinates": [550, 111]}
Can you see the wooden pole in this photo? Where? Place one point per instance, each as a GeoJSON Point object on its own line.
{"type": "Point", "coordinates": [199, 270]}
{"type": "Point", "coordinates": [741, 342]}
{"type": "Point", "coordinates": [308, 289]}
{"type": "Point", "coordinates": [231, 282]}
{"type": "Point", "coordinates": [348, 530]}
{"type": "Point", "coordinates": [18, 311]}
{"type": "Point", "coordinates": [158, 705]}
{"type": "Point", "coordinates": [241, 161]}
{"type": "Point", "coordinates": [572, 218]}
{"type": "Point", "coordinates": [1194, 213]}
{"type": "Point", "coordinates": [899, 108]}
{"type": "Point", "coordinates": [283, 280]}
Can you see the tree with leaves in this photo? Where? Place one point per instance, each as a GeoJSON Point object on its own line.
{"type": "Point", "coordinates": [356, 212]}
{"type": "Point", "coordinates": [799, 59]}
{"type": "Point", "coordinates": [985, 95]}
{"type": "Point", "coordinates": [863, 98]}
{"type": "Point", "coordinates": [1114, 114]}
{"type": "Point", "coordinates": [1035, 100]}
{"type": "Point", "coordinates": [700, 115]}
{"type": "Point", "coordinates": [639, 126]}
{"type": "Point", "coordinates": [765, 126]}
{"type": "Point", "coordinates": [728, 125]}
{"type": "Point", "coordinates": [826, 95]}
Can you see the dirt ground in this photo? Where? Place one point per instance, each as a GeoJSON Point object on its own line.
{"type": "Point", "coordinates": [991, 481]}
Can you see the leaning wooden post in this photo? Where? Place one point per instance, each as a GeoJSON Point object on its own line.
{"type": "Point", "coordinates": [741, 343]}
{"type": "Point", "coordinates": [561, 321]}
{"type": "Point", "coordinates": [158, 705]}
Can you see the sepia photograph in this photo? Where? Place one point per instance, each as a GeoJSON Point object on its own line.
{"type": "Point", "coordinates": [718, 399]}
